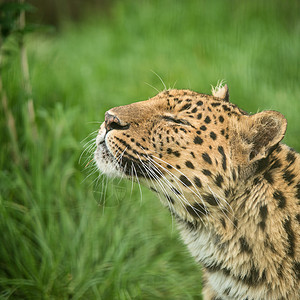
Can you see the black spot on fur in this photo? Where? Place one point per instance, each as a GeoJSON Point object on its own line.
{"type": "Point", "coordinates": [233, 175]}
{"type": "Point", "coordinates": [219, 180]}
{"type": "Point", "coordinates": [262, 225]}
{"type": "Point", "coordinates": [198, 140]}
{"type": "Point", "coordinates": [225, 107]}
{"type": "Point", "coordinates": [206, 172]}
{"type": "Point", "coordinates": [263, 212]}
{"type": "Point", "coordinates": [280, 198]}
{"type": "Point", "coordinates": [221, 119]}
{"type": "Point", "coordinates": [206, 158]}
{"type": "Point", "coordinates": [269, 245]}
{"type": "Point", "coordinates": [189, 165]}
{"type": "Point", "coordinates": [251, 278]}
{"type": "Point", "coordinates": [184, 180]}
{"type": "Point", "coordinates": [124, 143]}
{"type": "Point", "coordinates": [227, 291]}
{"type": "Point", "coordinates": [197, 182]}
{"type": "Point", "coordinates": [291, 157]}
{"type": "Point", "coordinates": [194, 110]}
{"type": "Point", "coordinates": [197, 210]}
{"type": "Point", "coordinates": [223, 223]}
{"type": "Point", "coordinates": [213, 135]}
{"type": "Point", "coordinates": [297, 195]}
{"type": "Point", "coordinates": [278, 148]}
{"type": "Point", "coordinates": [224, 163]}
{"type": "Point", "coordinates": [296, 268]}
{"type": "Point", "coordinates": [244, 246]}
{"type": "Point", "coordinates": [207, 120]}
{"type": "Point", "coordinates": [199, 116]}
{"type": "Point", "coordinates": [268, 177]}
{"type": "Point", "coordinates": [280, 271]}
{"type": "Point", "coordinates": [288, 176]}
{"type": "Point", "coordinates": [210, 199]}
{"type": "Point", "coordinates": [276, 164]}
{"type": "Point", "coordinates": [216, 267]}
{"type": "Point", "coordinates": [262, 165]}
{"type": "Point", "coordinates": [176, 153]}
{"type": "Point", "coordinates": [235, 222]}
{"type": "Point", "coordinates": [203, 128]}
{"type": "Point", "coordinates": [227, 192]}
{"type": "Point", "coordinates": [199, 103]}
{"type": "Point", "coordinates": [290, 237]}
{"type": "Point", "coordinates": [256, 180]}
{"type": "Point", "coordinates": [214, 104]}
{"type": "Point", "coordinates": [186, 106]}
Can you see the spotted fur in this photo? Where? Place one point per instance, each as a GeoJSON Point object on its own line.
{"type": "Point", "coordinates": [233, 188]}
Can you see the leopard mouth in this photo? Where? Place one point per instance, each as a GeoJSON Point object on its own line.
{"type": "Point", "coordinates": [104, 158]}
{"type": "Point", "coordinates": [123, 165]}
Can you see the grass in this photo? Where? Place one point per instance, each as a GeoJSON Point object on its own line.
{"type": "Point", "coordinates": [66, 234]}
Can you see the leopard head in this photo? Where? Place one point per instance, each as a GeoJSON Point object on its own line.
{"type": "Point", "coordinates": [192, 149]}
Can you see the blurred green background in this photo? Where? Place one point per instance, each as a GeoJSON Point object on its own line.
{"type": "Point", "coordinates": [65, 232]}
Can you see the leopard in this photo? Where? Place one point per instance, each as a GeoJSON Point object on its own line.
{"type": "Point", "coordinates": [227, 179]}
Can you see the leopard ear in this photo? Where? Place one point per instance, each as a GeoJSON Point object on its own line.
{"type": "Point", "coordinates": [256, 135]}
{"type": "Point", "coordinates": [221, 92]}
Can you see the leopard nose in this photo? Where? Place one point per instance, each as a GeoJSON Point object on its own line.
{"type": "Point", "coordinates": [113, 122]}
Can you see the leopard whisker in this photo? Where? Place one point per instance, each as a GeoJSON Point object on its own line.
{"type": "Point", "coordinates": [87, 149]}
{"type": "Point", "coordinates": [184, 200]}
{"type": "Point", "coordinates": [151, 174]}
{"type": "Point", "coordinates": [90, 174]}
{"type": "Point", "coordinates": [132, 179]}
{"type": "Point", "coordinates": [197, 195]}
{"type": "Point", "coordinates": [219, 197]}
{"type": "Point", "coordinates": [165, 87]}
{"type": "Point", "coordinates": [152, 86]}
{"type": "Point", "coordinates": [223, 208]}
{"type": "Point", "coordinates": [88, 136]}
{"type": "Point", "coordinates": [138, 181]}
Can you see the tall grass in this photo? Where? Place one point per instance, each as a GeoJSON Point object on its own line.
{"type": "Point", "coordinates": [67, 234]}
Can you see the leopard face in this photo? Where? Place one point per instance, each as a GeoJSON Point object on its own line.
{"type": "Point", "coordinates": [191, 149]}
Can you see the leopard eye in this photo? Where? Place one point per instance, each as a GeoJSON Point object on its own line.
{"type": "Point", "coordinates": [177, 121]}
